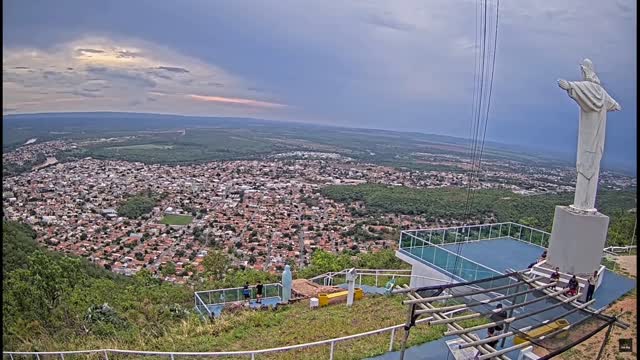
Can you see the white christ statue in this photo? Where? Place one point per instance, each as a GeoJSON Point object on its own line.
{"type": "Point", "coordinates": [594, 104]}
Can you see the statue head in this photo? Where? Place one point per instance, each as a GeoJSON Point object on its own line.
{"type": "Point", "coordinates": [588, 72]}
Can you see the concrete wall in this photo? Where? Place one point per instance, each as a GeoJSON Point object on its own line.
{"type": "Point", "coordinates": [577, 241]}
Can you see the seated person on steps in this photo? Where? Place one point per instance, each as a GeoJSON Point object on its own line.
{"type": "Point", "coordinates": [573, 286]}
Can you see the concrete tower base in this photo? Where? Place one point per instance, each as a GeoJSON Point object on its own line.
{"type": "Point", "coordinates": [577, 241]}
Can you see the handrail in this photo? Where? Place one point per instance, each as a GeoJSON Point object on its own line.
{"type": "Point", "coordinates": [451, 252]}
{"type": "Point", "coordinates": [203, 304]}
{"type": "Point", "coordinates": [237, 288]}
{"type": "Point", "coordinates": [480, 225]}
{"type": "Point", "coordinates": [332, 342]}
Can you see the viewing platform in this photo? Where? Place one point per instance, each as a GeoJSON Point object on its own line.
{"type": "Point", "coordinates": [469, 253]}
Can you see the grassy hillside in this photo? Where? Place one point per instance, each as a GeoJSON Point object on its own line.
{"type": "Point", "coordinates": [54, 302]}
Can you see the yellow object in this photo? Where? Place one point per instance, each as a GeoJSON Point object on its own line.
{"type": "Point", "coordinates": [338, 297]}
{"type": "Point", "coordinates": [542, 330]}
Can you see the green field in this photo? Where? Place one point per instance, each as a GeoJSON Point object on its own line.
{"type": "Point", "coordinates": [141, 147]}
{"type": "Point", "coordinates": [177, 219]}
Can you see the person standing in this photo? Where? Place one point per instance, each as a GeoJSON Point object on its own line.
{"type": "Point", "coordinates": [555, 276]}
{"type": "Point", "coordinates": [591, 288]}
{"type": "Point", "coordinates": [259, 292]}
{"type": "Point", "coordinates": [246, 293]}
{"type": "Point", "coordinates": [498, 315]}
{"type": "Point", "coordinates": [491, 332]}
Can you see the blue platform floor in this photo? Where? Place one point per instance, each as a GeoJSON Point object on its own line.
{"type": "Point", "coordinates": [502, 254]}
{"type": "Point", "coordinates": [506, 253]}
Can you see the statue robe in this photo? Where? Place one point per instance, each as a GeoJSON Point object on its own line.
{"type": "Point", "coordinates": [594, 104]}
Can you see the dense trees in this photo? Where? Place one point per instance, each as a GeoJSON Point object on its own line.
{"type": "Point", "coordinates": [137, 206]}
{"type": "Point", "coordinates": [449, 203]}
{"type": "Point", "coordinates": [323, 262]}
{"type": "Point", "coordinates": [47, 295]}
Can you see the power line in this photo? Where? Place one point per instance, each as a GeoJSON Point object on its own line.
{"type": "Point", "coordinates": [476, 146]}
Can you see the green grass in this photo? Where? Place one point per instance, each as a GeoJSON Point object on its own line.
{"type": "Point", "coordinates": [293, 324]}
{"type": "Point", "coordinates": [141, 147]}
{"type": "Point", "coordinates": [176, 219]}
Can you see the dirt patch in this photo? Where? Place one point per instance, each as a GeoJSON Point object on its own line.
{"type": "Point", "coordinates": [627, 264]}
{"type": "Point", "coordinates": [625, 309]}
{"type": "Point", "coordinates": [305, 288]}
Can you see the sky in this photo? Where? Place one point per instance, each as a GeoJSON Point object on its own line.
{"type": "Point", "coordinates": [397, 65]}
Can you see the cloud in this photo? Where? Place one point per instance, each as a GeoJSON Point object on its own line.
{"type": "Point", "coordinates": [388, 22]}
{"type": "Point", "coordinates": [90, 51]}
{"type": "Point", "coordinates": [95, 72]}
{"type": "Point", "coordinates": [174, 69]}
{"type": "Point", "coordinates": [404, 65]}
{"type": "Point", "coordinates": [236, 101]}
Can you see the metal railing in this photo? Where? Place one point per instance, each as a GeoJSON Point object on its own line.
{"type": "Point", "coordinates": [204, 299]}
{"type": "Point", "coordinates": [471, 233]}
{"type": "Point", "coordinates": [328, 279]}
{"type": "Point", "coordinates": [617, 250]}
{"type": "Point", "coordinates": [378, 276]}
{"type": "Point", "coordinates": [456, 265]}
{"type": "Point", "coordinates": [252, 353]}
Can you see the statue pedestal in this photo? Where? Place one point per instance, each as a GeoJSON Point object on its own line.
{"type": "Point", "coordinates": [577, 241]}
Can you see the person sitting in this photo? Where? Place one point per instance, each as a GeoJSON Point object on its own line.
{"type": "Point", "coordinates": [573, 286]}
{"type": "Point", "coordinates": [542, 258]}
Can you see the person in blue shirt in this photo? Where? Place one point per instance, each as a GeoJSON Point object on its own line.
{"type": "Point", "coordinates": [246, 293]}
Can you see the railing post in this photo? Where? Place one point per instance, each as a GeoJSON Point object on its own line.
{"type": "Point", "coordinates": [331, 351]}
{"type": "Point", "coordinates": [490, 226]}
{"type": "Point", "coordinates": [456, 241]}
{"type": "Point", "coordinates": [530, 235]}
{"type": "Point", "coordinates": [509, 234]}
{"type": "Point", "coordinates": [37, 356]}
{"type": "Point", "coordinates": [393, 335]}
{"type": "Point", "coordinates": [172, 356]}
{"type": "Point", "coordinates": [61, 356]}
{"type": "Point", "coordinates": [11, 356]}
{"type": "Point", "coordinates": [253, 356]}
{"type": "Point", "coordinates": [106, 357]}
{"type": "Point", "coordinates": [500, 230]}
{"type": "Point", "coordinates": [376, 278]}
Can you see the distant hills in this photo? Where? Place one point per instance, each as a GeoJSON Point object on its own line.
{"type": "Point", "coordinates": [279, 135]}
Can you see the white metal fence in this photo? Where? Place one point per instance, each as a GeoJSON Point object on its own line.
{"type": "Point", "coordinates": [204, 299]}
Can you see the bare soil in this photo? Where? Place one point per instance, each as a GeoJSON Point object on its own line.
{"type": "Point", "coordinates": [626, 310]}
{"type": "Point", "coordinates": [307, 289]}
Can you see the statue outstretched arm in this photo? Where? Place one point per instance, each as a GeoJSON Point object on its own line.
{"type": "Point", "coordinates": [615, 106]}
{"type": "Point", "coordinates": [564, 84]}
